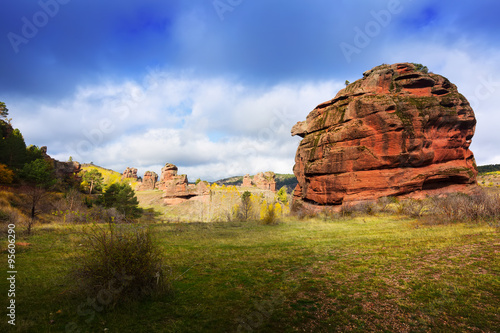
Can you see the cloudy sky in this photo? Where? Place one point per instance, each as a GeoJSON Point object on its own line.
{"type": "Point", "coordinates": [215, 86]}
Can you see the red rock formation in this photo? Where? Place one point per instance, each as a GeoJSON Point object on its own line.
{"type": "Point", "coordinates": [265, 180]}
{"type": "Point", "coordinates": [67, 171]}
{"type": "Point", "coordinates": [148, 181]}
{"type": "Point", "coordinates": [397, 131]}
{"type": "Point", "coordinates": [130, 173]}
{"type": "Point", "coordinates": [176, 187]}
{"type": "Point", "coordinates": [169, 180]}
{"type": "Point", "coordinates": [247, 181]}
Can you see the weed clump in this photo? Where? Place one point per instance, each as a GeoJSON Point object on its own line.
{"type": "Point", "coordinates": [123, 262]}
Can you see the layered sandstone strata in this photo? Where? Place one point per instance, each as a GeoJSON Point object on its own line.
{"type": "Point", "coordinates": [398, 131]}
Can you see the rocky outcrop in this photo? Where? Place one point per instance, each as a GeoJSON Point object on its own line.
{"type": "Point", "coordinates": [130, 173]}
{"type": "Point", "coordinates": [67, 171]}
{"type": "Point", "coordinates": [176, 187]}
{"type": "Point", "coordinates": [247, 181]}
{"type": "Point", "coordinates": [170, 181]}
{"type": "Point", "coordinates": [398, 131]}
{"type": "Point", "coordinates": [148, 181]}
{"type": "Point", "coordinates": [262, 180]}
{"type": "Point", "coordinates": [265, 181]}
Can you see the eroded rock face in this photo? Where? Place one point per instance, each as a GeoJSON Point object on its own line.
{"type": "Point", "coordinates": [130, 173]}
{"type": "Point", "coordinates": [396, 132]}
{"type": "Point", "coordinates": [170, 182]}
{"type": "Point", "coordinates": [148, 181]}
{"type": "Point", "coordinates": [265, 180]}
{"type": "Point", "coordinates": [247, 181]}
{"type": "Point", "coordinates": [63, 170]}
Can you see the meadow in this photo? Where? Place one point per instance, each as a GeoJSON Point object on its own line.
{"type": "Point", "coordinates": [380, 273]}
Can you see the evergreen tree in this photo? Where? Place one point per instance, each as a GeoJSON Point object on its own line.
{"type": "Point", "coordinates": [4, 112]}
{"type": "Point", "coordinates": [38, 178]}
{"type": "Point", "coordinates": [94, 180]}
{"type": "Point", "coordinates": [13, 150]}
{"type": "Point", "coordinates": [122, 197]}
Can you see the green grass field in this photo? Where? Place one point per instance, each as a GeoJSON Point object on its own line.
{"type": "Point", "coordinates": [378, 274]}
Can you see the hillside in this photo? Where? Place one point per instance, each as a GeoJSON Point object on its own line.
{"type": "Point", "coordinates": [110, 176]}
{"type": "Point", "coordinates": [282, 179]}
{"type": "Point", "coordinates": [489, 179]}
{"type": "Point", "coordinates": [488, 168]}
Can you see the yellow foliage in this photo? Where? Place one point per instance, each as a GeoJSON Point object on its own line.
{"type": "Point", "coordinates": [277, 209]}
{"type": "Point", "coordinates": [6, 175]}
{"type": "Point", "coordinates": [263, 210]}
{"type": "Point", "coordinates": [110, 176]}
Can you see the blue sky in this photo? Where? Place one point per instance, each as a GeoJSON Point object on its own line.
{"type": "Point", "coordinates": [215, 86]}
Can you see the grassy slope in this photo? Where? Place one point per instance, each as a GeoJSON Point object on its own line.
{"type": "Point", "coordinates": [489, 179]}
{"type": "Point", "coordinates": [109, 176]}
{"type": "Point", "coordinates": [287, 180]}
{"type": "Point", "coordinates": [367, 274]}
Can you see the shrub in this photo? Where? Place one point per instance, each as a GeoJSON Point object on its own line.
{"type": "Point", "coordinates": [282, 196]}
{"type": "Point", "coordinates": [386, 204]}
{"type": "Point", "coordinates": [457, 207]}
{"type": "Point", "coordinates": [421, 68]}
{"type": "Point", "coordinates": [413, 207]}
{"type": "Point", "coordinates": [346, 209]}
{"type": "Point", "coordinates": [301, 211]}
{"type": "Point", "coordinates": [70, 208]}
{"type": "Point", "coordinates": [366, 208]}
{"type": "Point", "coordinates": [122, 197]}
{"type": "Point", "coordinates": [268, 213]}
{"type": "Point", "coordinates": [121, 261]}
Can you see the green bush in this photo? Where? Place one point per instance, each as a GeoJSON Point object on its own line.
{"type": "Point", "coordinates": [122, 262]}
{"type": "Point", "coordinates": [122, 197]}
{"type": "Point", "coordinates": [421, 68]}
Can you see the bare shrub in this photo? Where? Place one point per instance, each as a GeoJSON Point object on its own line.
{"type": "Point", "coordinates": [366, 208]}
{"type": "Point", "coordinates": [413, 207]}
{"type": "Point", "coordinates": [481, 205]}
{"type": "Point", "coordinates": [387, 204]}
{"type": "Point", "coordinates": [347, 210]}
{"type": "Point", "coordinates": [299, 210]}
{"type": "Point", "coordinates": [70, 208]}
{"type": "Point", "coordinates": [122, 258]}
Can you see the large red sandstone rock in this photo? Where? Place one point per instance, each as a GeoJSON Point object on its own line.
{"type": "Point", "coordinates": [148, 181]}
{"type": "Point", "coordinates": [396, 132]}
{"type": "Point", "coordinates": [176, 188]}
{"type": "Point", "coordinates": [247, 181]}
{"type": "Point", "coordinates": [265, 180]}
{"type": "Point", "coordinates": [170, 182]}
{"type": "Point", "coordinates": [130, 173]}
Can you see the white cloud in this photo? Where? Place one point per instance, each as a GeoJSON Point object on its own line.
{"type": "Point", "coordinates": [218, 127]}
{"type": "Point", "coordinates": [211, 128]}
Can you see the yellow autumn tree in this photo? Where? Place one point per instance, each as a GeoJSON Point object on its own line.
{"type": "Point", "coordinates": [6, 175]}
